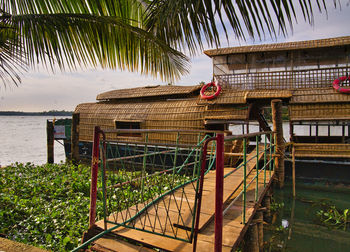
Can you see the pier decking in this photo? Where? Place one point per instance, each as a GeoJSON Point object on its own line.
{"type": "Point", "coordinates": [166, 212]}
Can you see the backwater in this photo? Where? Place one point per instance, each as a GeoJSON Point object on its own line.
{"type": "Point", "coordinates": [296, 224]}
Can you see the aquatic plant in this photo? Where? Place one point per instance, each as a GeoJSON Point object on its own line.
{"type": "Point", "coordinates": [331, 217]}
{"type": "Point", "coordinates": [48, 206]}
{"type": "Point", "coordinates": [275, 206]}
{"type": "Point", "coordinates": [45, 206]}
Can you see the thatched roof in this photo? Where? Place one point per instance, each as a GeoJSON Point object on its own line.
{"type": "Point", "coordinates": [148, 91]}
{"type": "Point", "coordinates": [298, 45]}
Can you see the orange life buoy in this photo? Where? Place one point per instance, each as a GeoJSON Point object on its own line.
{"type": "Point", "coordinates": [339, 88]}
{"type": "Point", "coordinates": [210, 84]}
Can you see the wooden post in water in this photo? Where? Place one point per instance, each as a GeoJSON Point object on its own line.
{"type": "Point", "coordinates": [266, 203]}
{"type": "Point", "coordinates": [293, 168]}
{"type": "Point", "coordinates": [251, 240]}
{"type": "Point", "coordinates": [276, 106]}
{"type": "Point", "coordinates": [75, 138]}
{"type": "Point", "coordinates": [50, 142]}
{"type": "Point", "coordinates": [260, 224]}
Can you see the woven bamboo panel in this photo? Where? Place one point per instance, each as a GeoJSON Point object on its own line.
{"type": "Point", "coordinates": [226, 96]}
{"type": "Point", "coordinates": [221, 112]}
{"type": "Point", "coordinates": [150, 91]}
{"type": "Point", "coordinates": [157, 115]}
{"type": "Point", "coordinates": [330, 42]}
{"type": "Point", "coordinates": [233, 96]}
{"type": "Point", "coordinates": [319, 111]}
{"type": "Point", "coordinates": [322, 150]}
{"type": "Point", "coordinates": [175, 114]}
{"type": "Point", "coordinates": [320, 95]}
{"type": "Point", "coordinates": [268, 94]}
{"type": "Point", "coordinates": [104, 115]}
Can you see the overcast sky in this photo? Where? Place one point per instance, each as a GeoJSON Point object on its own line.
{"type": "Point", "coordinates": [43, 91]}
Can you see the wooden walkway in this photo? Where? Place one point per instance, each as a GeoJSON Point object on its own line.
{"type": "Point", "coordinates": [233, 229]}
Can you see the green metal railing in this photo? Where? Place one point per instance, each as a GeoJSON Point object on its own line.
{"type": "Point", "coordinates": [265, 146]}
{"type": "Point", "coordinates": [148, 186]}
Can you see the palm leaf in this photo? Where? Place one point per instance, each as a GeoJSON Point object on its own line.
{"type": "Point", "coordinates": [191, 22]}
{"type": "Point", "coordinates": [12, 62]}
{"type": "Point", "coordinates": [77, 33]}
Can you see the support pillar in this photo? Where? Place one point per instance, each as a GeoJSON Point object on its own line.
{"type": "Point", "coordinates": [50, 142]}
{"type": "Point", "coordinates": [276, 106]}
{"type": "Point", "coordinates": [260, 225]}
{"type": "Point", "coordinates": [75, 139]}
{"type": "Point", "coordinates": [251, 241]}
{"type": "Point", "coordinates": [266, 203]}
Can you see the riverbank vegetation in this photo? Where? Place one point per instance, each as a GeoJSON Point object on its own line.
{"type": "Point", "coordinates": [46, 206]}
{"type": "Point", "coordinates": [44, 113]}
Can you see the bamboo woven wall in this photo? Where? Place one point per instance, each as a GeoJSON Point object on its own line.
{"type": "Point", "coordinates": [322, 150]}
{"type": "Point", "coordinates": [238, 97]}
{"type": "Point", "coordinates": [232, 112]}
{"type": "Point", "coordinates": [166, 114]}
{"type": "Point", "coordinates": [319, 111]}
{"type": "Point", "coordinates": [226, 97]}
{"type": "Point", "coordinates": [175, 114]}
{"type": "Point", "coordinates": [320, 95]}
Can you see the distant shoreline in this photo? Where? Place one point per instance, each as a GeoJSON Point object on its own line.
{"type": "Point", "coordinates": [44, 113]}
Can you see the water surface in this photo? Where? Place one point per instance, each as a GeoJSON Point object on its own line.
{"type": "Point", "coordinates": [296, 226]}
{"type": "Point", "coordinates": [23, 139]}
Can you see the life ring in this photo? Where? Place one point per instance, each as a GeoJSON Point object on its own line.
{"type": "Point", "coordinates": [206, 86]}
{"type": "Point", "coordinates": [338, 88]}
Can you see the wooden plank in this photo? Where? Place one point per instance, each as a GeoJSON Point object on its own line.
{"type": "Point", "coordinates": [231, 183]}
{"type": "Point", "coordinates": [232, 222]}
{"type": "Point", "coordinates": [162, 242]}
{"type": "Point", "coordinates": [110, 244]}
{"type": "Point", "coordinates": [232, 227]}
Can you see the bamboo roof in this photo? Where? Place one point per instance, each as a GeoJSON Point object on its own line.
{"type": "Point", "coordinates": [148, 91]}
{"type": "Point", "coordinates": [286, 46]}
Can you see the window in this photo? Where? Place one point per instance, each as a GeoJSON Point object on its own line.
{"type": "Point", "coordinates": [128, 125]}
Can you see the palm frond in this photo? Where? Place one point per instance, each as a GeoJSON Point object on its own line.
{"type": "Point", "coordinates": [12, 60]}
{"type": "Point", "coordinates": [72, 33]}
{"type": "Point", "coordinates": [192, 23]}
{"type": "Point", "coordinates": [71, 40]}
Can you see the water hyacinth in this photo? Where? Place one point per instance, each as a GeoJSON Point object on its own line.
{"type": "Point", "coordinates": [46, 206]}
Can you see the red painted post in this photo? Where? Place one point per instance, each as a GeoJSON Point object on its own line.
{"type": "Point", "coordinates": [94, 174]}
{"type": "Point", "coordinates": [219, 191]}
{"type": "Point", "coordinates": [200, 190]}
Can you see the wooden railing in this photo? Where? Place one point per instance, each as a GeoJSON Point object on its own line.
{"type": "Point", "coordinates": [308, 78]}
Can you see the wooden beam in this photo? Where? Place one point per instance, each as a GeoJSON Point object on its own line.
{"type": "Point", "coordinates": [75, 138]}
{"type": "Point", "coordinates": [50, 142]}
{"type": "Point", "coordinates": [276, 106]}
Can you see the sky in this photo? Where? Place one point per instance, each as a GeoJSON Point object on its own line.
{"type": "Point", "coordinates": [41, 90]}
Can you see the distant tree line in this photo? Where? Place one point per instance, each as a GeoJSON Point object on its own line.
{"type": "Point", "coordinates": [44, 113]}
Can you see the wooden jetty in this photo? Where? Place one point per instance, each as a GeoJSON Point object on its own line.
{"type": "Point", "coordinates": [295, 76]}
{"type": "Point", "coordinates": [233, 228]}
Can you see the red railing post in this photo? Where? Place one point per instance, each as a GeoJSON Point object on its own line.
{"type": "Point", "coordinates": [94, 174]}
{"type": "Point", "coordinates": [219, 191]}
